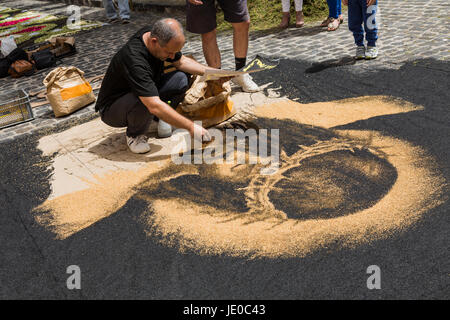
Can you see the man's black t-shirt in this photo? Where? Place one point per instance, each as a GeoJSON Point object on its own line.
{"type": "Point", "coordinates": [132, 69]}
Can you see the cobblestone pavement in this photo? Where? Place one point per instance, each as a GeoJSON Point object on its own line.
{"type": "Point", "coordinates": [409, 29]}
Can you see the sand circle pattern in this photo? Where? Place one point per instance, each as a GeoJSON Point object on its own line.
{"type": "Point", "coordinates": [343, 194]}
{"type": "Point", "coordinates": [331, 185]}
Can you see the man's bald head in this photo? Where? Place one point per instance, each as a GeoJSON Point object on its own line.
{"type": "Point", "coordinates": [166, 29]}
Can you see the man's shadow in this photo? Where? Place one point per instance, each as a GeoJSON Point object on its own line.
{"type": "Point", "coordinates": [114, 148]}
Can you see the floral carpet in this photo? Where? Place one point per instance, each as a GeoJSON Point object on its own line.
{"type": "Point", "coordinates": [31, 27]}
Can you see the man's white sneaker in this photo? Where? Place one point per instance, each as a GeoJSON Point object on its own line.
{"type": "Point", "coordinates": [371, 53]}
{"type": "Point", "coordinates": [138, 144]}
{"type": "Point", "coordinates": [164, 129]}
{"type": "Point", "coordinates": [246, 82]}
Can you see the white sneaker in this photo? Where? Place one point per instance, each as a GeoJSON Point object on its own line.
{"type": "Point", "coordinates": [360, 52]}
{"type": "Point", "coordinates": [164, 129]}
{"type": "Point", "coordinates": [246, 82]}
{"type": "Point", "coordinates": [138, 144]}
{"type": "Point", "coordinates": [371, 53]}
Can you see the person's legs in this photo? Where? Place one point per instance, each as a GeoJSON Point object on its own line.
{"type": "Point", "coordinates": [124, 9]}
{"type": "Point", "coordinates": [211, 49]}
{"type": "Point", "coordinates": [236, 13]}
{"type": "Point", "coordinates": [128, 111]}
{"type": "Point", "coordinates": [299, 19]}
{"type": "Point", "coordinates": [334, 19]}
{"type": "Point", "coordinates": [240, 46]}
{"type": "Point", "coordinates": [285, 6]}
{"type": "Point", "coordinates": [355, 20]}
{"type": "Point", "coordinates": [201, 19]}
{"type": "Point", "coordinates": [109, 9]}
{"type": "Point", "coordinates": [333, 8]}
{"type": "Point", "coordinates": [370, 25]}
{"type": "Point", "coordinates": [240, 42]}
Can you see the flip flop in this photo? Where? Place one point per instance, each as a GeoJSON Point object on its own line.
{"type": "Point", "coordinates": [325, 22]}
{"type": "Point", "coordinates": [332, 25]}
{"type": "Point", "coordinates": [299, 22]}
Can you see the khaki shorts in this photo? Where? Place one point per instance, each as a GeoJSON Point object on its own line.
{"type": "Point", "coordinates": [202, 18]}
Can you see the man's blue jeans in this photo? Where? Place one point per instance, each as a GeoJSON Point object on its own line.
{"type": "Point", "coordinates": [358, 13]}
{"type": "Point", "coordinates": [124, 9]}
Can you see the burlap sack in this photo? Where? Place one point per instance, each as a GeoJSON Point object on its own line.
{"type": "Point", "coordinates": [67, 90]}
{"type": "Point", "coordinates": [207, 101]}
{"type": "Point", "coordinates": [205, 94]}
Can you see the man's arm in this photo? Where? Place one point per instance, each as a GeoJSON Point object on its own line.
{"type": "Point", "coordinates": [163, 111]}
{"type": "Point", "coordinates": [191, 66]}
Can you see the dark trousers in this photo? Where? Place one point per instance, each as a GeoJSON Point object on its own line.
{"type": "Point", "coordinates": [129, 111]}
{"type": "Point", "coordinates": [357, 16]}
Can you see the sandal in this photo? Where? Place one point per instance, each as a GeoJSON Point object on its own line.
{"type": "Point", "coordinates": [334, 24]}
{"type": "Point", "coordinates": [341, 19]}
{"type": "Point", "coordinates": [284, 20]}
{"type": "Point", "coordinates": [325, 22]}
{"type": "Point", "coordinates": [299, 20]}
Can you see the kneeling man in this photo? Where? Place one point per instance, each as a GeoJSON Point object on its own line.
{"type": "Point", "coordinates": [135, 89]}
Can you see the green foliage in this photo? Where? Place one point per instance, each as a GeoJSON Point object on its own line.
{"type": "Point", "coordinates": [315, 8]}
{"type": "Point", "coordinates": [266, 14]}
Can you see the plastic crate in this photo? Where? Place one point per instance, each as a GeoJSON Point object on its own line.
{"type": "Point", "coordinates": [15, 108]}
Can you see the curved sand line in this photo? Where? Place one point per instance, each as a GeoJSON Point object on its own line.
{"type": "Point", "coordinates": [208, 231]}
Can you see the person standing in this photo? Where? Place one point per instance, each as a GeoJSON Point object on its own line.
{"type": "Point", "coordinates": [111, 14]}
{"type": "Point", "coordinates": [335, 18]}
{"type": "Point", "coordinates": [285, 7]}
{"type": "Point", "coordinates": [362, 12]}
{"type": "Point", "coordinates": [201, 19]}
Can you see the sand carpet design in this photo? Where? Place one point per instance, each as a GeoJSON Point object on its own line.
{"type": "Point", "coordinates": [365, 181]}
{"type": "Point", "coordinates": [343, 186]}
{"type": "Point", "coordinates": [346, 187]}
{"type": "Point", "coordinates": [29, 27]}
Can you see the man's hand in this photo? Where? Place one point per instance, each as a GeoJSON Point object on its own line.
{"type": "Point", "coordinates": [198, 132]}
{"type": "Point", "coordinates": [195, 2]}
{"type": "Point", "coordinates": [370, 2]}
{"type": "Point", "coordinates": [345, 2]}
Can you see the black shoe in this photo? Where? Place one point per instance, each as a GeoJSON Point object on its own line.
{"type": "Point", "coordinates": [115, 20]}
{"type": "Point", "coordinates": [125, 21]}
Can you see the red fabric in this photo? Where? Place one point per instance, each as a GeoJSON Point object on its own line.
{"type": "Point", "coordinates": [11, 23]}
{"type": "Point", "coordinates": [30, 29]}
